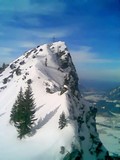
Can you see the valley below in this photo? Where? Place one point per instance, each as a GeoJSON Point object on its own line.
{"type": "Point", "coordinates": [107, 120]}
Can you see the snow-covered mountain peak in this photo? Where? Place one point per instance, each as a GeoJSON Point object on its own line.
{"type": "Point", "coordinates": [51, 73]}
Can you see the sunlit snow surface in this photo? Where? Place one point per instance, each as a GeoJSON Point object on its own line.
{"type": "Point", "coordinates": [109, 132]}
{"type": "Point", "coordinates": [46, 142]}
{"type": "Point", "coordinates": [46, 139]}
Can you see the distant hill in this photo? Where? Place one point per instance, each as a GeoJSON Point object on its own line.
{"type": "Point", "coordinates": [114, 94]}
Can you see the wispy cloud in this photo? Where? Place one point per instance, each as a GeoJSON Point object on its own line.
{"type": "Point", "coordinates": [53, 32]}
{"type": "Point", "coordinates": [44, 7]}
{"type": "Point", "coordinates": [26, 44]}
{"type": "Point", "coordinates": [85, 55]}
{"type": "Point", "coordinates": [99, 74]}
{"type": "Point", "coordinates": [90, 65]}
{"type": "Point", "coordinates": [6, 55]}
{"type": "Point", "coordinates": [5, 51]}
{"type": "Point", "coordinates": [39, 35]}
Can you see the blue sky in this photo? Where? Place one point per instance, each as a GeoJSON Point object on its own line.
{"type": "Point", "coordinates": [90, 28]}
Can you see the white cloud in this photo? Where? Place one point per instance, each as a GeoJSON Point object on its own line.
{"type": "Point", "coordinates": [90, 65]}
{"type": "Point", "coordinates": [86, 55]}
{"type": "Point", "coordinates": [99, 74]}
{"type": "Point", "coordinates": [5, 51]}
{"type": "Point", "coordinates": [6, 55]}
{"type": "Point", "coordinates": [26, 44]}
{"type": "Point", "coordinates": [42, 34]}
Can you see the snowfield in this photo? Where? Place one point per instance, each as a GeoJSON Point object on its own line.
{"type": "Point", "coordinates": [46, 82]}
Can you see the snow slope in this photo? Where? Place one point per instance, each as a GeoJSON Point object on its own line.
{"type": "Point", "coordinates": [109, 131]}
{"type": "Point", "coordinates": [55, 90]}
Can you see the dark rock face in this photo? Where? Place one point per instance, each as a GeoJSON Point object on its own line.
{"type": "Point", "coordinates": [70, 79]}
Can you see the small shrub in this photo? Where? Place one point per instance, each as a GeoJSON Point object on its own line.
{"type": "Point", "coordinates": [62, 151]}
{"type": "Point", "coordinates": [24, 77]}
{"type": "Point", "coordinates": [48, 90]}
{"type": "Point", "coordinates": [2, 88]}
{"type": "Point", "coordinates": [33, 56]}
{"type": "Point", "coordinates": [27, 73]}
{"type": "Point", "coordinates": [29, 81]}
{"type": "Point", "coordinates": [12, 66]}
{"type": "Point", "coordinates": [18, 71]}
{"type": "Point", "coordinates": [62, 121]}
{"type": "Point", "coordinates": [22, 62]}
{"type": "Point", "coordinates": [5, 80]}
{"type": "Point", "coordinates": [41, 49]}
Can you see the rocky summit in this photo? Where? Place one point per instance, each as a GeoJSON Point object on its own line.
{"type": "Point", "coordinates": [64, 125]}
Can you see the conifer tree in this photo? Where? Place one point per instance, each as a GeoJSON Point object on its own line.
{"type": "Point", "coordinates": [16, 109]}
{"type": "Point", "coordinates": [28, 113]}
{"type": "Point", "coordinates": [23, 113]}
{"type": "Point", "coordinates": [62, 121]}
{"type": "Point", "coordinates": [3, 65]}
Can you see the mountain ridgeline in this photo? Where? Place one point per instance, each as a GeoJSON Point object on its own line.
{"type": "Point", "coordinates": [64, 121]}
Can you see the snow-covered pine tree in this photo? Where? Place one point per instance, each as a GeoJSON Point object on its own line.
{"type": "Point", "coordinates": [4, 65]}
{"type": "Point", "coordinates": [23, 113]}
{"type": "Point", "coordinates": [15, 115]}
{"type": "Point", "coordinates": [62, 121]}
{"type": "Point", "coordinates": [29, 109]}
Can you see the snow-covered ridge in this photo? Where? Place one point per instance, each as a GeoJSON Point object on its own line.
{"type": "Point", "coordinates": [51, 73]}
